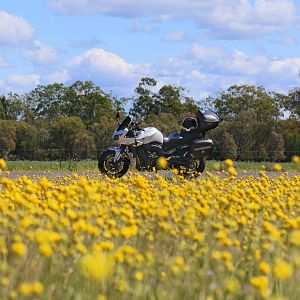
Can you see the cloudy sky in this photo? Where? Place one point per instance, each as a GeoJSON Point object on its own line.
{"type": "Point", "coordinates": [201, 45]}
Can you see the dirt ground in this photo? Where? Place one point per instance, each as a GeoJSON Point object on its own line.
{"type": "Point", "coordinates": [167, 174]}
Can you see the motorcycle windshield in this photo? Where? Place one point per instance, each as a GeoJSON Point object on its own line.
{"type": "Point", "coordinates": [124, 124]}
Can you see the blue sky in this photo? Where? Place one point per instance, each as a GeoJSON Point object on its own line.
{"type": "Point", "coordinates": [201, 45]}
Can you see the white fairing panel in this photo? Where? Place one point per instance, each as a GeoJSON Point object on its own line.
{"type": "Point", "coordinates": [149, 135]}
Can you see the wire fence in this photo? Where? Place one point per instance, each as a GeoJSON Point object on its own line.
{"type": "Point", "coordinates": [77, 154]}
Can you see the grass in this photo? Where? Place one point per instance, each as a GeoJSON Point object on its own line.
{"type": "Point", "coordinates": [90, 165]}
{"type": "Point", "coordinates": [24, 165]}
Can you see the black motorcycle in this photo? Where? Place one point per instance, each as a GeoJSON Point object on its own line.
{"type": "Point", "coordinates": [184, 151]}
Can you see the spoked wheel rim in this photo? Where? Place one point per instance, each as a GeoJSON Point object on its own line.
{"type": "Point", "coordinates": [110, 167]}
{"type": "Point", "coordinates": [193, 168]}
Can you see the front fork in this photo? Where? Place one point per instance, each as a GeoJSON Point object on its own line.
{"type": "Point", "coordinates": [119, 151]}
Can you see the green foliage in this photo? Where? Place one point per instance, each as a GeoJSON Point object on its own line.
{"type": "Point", "coordinates": [7, 137]}
{"type": "Point", "coordinates": [242, 130]}
{"type": "Point", "coordinates": [81, 99]}
{"type": "Point", "coordinates": [11, 107]}
{"type": "Point", "coordinates": [83, 145]}
{"type": "Point", "coordinates": [26, 141]}
{"type": "Point", "coordinates": [63, 133]}
{"type": "Point", "coordinates": [168, 99]}
{"type": "Point", "coordinates": [241, 98]}
{"type": "Point", "coordinates": [102, 132]}
{"type": "Point", "coordinates": [77, 121]}
{"type": "Point", "coordinates": [292, 103]}
{"type": "Point", "coordinates": [275, 147]}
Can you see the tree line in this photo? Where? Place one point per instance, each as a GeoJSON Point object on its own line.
{"type": "Point", "coordinates": [64, 122]}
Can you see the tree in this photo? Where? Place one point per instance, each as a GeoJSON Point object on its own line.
{"type": "Point", "coordinates": [242, 129]}
{"type": "Point", "coordinates": [102, 132]}
{"type": "Point", "coordinates": [275, 147]}
{"type": "Point", "coordinates": [83, 145]}
{"type": "Point", "coordinates": [290, 130]}
{"type": "Point", "coordinates": [89, 102]}
{"type": "Point", "coordinates": [168, 99]}
{"type": "Point", "coordinates": [7, 137]}
{"type": "Point", "coordinates": [26, 141]}
{"type": "Point", "coordinates": [293, 102]}
{"type": "Point", "coordinates": [244, 97]}
{"type": "Point", "coordinates": [228, 147]}
{"type": "Point", "coordinates": [81, 99]}
{"type": "Point", "coordinates": [146, 102]}
{"type": "Point", "coordinates": [63, 133]}
{"type": "Point", "coordinates": [224, 144]}
{"type": "Point", "coordinates": [11, 107]}
{"type": "Point", "coordinates": [46, 101]}
{"type": "Point", "coordinates": [262, 153]}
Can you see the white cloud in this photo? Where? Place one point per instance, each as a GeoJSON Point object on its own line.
{"type": "Point", "coordinates": [60, 76]}
{"type": "Point", "coordinates": [19, 83]}
{"type": "Point", "coordinates": [289, 68]}
{"type": "Point", "coordinates": [288, 40]}
{"type": "Point", "coordinates": [222, 18]}
{"type": "Point", "coordinates": [90, 42]}
{"type": "Point", "coordinates": [204, 70]}
{"type": "Point", "coordinates": [175, 36]}
{"type": "Point", "coordinates": [142, 26]}
{"type": "Point", "coordinates": [41, 53]}
{"type": "Point", "coordinates": [14, 30]}
{"type": "Point", "coordinates": [3, 63]}
{"type": "Point", "coordinates": [208, 54]}
{"type": "Point", "coordinates": [285, 40]}
{"type": "Point", "coordinates": [104, 68]}
{"type": "Point", "coordinates": [218, 60]}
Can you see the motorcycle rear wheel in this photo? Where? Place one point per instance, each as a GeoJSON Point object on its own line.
{"type": "Point", "coordinates": [108, 168]}
{"type": "Point", "coordinates": [196, 170]}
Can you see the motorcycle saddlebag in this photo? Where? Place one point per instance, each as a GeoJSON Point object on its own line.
{"type": "Point", "coordinates": [201, 148]}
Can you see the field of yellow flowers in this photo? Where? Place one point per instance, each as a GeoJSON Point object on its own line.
{"type": "Point", "coordinates": [148, 237]}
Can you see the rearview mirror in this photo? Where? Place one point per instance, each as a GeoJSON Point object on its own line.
{"type": "Point", "coordinates": [118, 116]}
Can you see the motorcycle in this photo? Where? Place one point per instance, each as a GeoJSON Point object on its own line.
{"type": "Point", "coordinates": [185, 151]}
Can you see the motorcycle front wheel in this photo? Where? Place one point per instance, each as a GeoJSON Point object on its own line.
{"type": "Point", "coordinates": [107, 166]}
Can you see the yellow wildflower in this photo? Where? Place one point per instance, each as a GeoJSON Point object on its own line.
{"type": "Point", "coordinates": [45, 249]}
{"type": "Point", "coordinates": [282, 269]}
{"type": "Point", "coordinates": [277, 168]}
{"type": "Point", "coordinates": [2, 164]}
{"type": "Point", "coordinates": [19, 248]}
{"type": "Point", "coordinates": [264, 267]}
{"type": "Point", "coordinates": [161, 162]}
{"type": "Point", "coordinates": [37, 288]}
{"type": "Point", "coordinates": [294, 237]}
{"type": "Point", "coordinates": [25, 289]}
{"type": "Point", "coordinates": [98, 266]}
{"type": "Point", "coordinates": [296, 159]}
{"type": "Point", "coordinates": [139, 276]}
{"type": "Point", "coordinates": [229, 163]}
{"type": "Point", "coordinates": [262, 284]}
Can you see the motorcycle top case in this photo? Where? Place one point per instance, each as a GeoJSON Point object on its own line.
{"type": "Point", "coordinates": [201, 148]}
{"type": "Point", "coordinates": [207, 121]}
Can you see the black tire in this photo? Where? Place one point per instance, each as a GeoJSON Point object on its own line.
{"type": "Point", "coordinates": [105, 167]}
{"type": "Point", "coordinates": [195, 172]}
{"type": "Point", "coordinates": [201, 166]}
